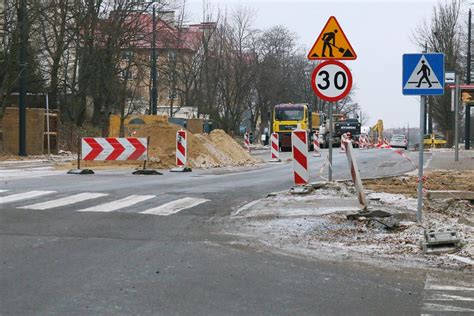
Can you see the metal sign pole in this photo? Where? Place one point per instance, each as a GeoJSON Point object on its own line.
{"type": "Point", "coordinates": [456, 119]}
{"type": "Point", "coordinates": [330, 140]}
{"type": "Point", "coordinates": [47, 125]}
{"type": "Point", "coordinates": [420, 160]}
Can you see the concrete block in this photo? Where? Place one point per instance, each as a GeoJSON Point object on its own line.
{"type": "Point", "coordinates": [450, 194]}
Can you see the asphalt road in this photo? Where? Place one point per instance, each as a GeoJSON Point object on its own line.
{"type": "Point", "coordinates": [117, 244]}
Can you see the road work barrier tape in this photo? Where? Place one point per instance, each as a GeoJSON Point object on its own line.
{"type": "Point", "coordinates": [247, 142]}
{"type": "Point", "coordinates": [181, 148]}
{"type": "Point", "coordinates": [316, 146]}
{"type": "Point", "coordinates": [275, 149]}
{"type": "Point", "coordinates": [299, 144]}
{"type": "Point", "coordinates": [354, 171]}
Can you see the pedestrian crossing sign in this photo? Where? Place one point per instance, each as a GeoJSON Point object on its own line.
{"type": "Point", "coordinates": [332, 44]}
{"type": "Point", "coordinates": [423, 74]}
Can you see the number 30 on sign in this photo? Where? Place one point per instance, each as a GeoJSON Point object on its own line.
{"type": "Point", "coordinates": [331, 81]}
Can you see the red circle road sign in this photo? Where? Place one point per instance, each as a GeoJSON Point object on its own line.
{"type": "Point", "coordinates": [331, 80]}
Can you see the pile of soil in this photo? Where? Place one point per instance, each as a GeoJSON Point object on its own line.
{"type": "Point", "coordinates": [216, 149]}
{"type": "Point", "coordinates": [436, 180]}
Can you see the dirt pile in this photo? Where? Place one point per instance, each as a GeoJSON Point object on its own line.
{"type": "Point", "coordinates": [436, 180]}
{"type": "Point", "coordinates": [216, 149]}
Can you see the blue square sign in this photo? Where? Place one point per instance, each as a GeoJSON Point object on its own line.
{"type": "Point", "coordinates": [423, 74]}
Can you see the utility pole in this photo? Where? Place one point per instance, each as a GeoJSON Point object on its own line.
{"type": "Point", "coordinates": [154, 90]}
{"type": "Point", "coordinates": [467, 125]}
{"type": "Point", "coordinates": [23, 21]}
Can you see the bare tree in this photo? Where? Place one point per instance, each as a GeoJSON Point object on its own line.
{"type": "Point", "coordinates": [443, 33]}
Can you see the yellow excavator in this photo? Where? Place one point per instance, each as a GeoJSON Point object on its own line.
{"type": "Point", "coordinates": [378, 129]}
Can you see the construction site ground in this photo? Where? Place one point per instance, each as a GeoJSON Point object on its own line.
{"type": "Point", "coordinates": [316, 225]}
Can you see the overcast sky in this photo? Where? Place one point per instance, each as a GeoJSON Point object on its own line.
{"type": "Point", "coordinates": [379, 31]}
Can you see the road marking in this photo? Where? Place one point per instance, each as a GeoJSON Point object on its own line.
{"type": "Point", "coordinates": [64, 201]}
{"type": "Point", "coordinates": [440, 298]}
{"type": "Point", "coordinates": [445, 308]}
{"type": "Point", "coordinates": [119, 204]}
{"type": "Point", "coordinates": [447, 288]}
{"type": "Point", "coordinates": [1, 191]}
{"type": "Point", "coordinates": [23, 196]}
{"type": "Point", "coordinates": [175, 206]}
{"type": "Point", "coordinates": [447, 297]}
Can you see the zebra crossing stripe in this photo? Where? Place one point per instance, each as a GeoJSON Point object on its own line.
{"type": "Point", "coordinates": [118, 204]}
{"type": "Point", "coordinates": [175, 206]}
{"type": "Point", "coordinates": [64, 201]}
{"type": "Point", "coordinates": [23, 196]}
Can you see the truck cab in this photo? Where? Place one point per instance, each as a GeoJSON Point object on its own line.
{"type": "Point", "coordinates": [288, 117]}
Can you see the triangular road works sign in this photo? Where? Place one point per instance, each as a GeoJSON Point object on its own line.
{"type": "Point", "coordinates": [423, 77]}
{"type": "Point", "coordinates": [332, 43]}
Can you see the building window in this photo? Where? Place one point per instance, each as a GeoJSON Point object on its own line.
{"type": "Point", "coordinates": [171, 55]}
{"type": "Point", "coordinates": [172, 94]}
{"type": "Point", "coordinates": [127, 54]}
{"type": "Point", "coordinates": [126, 74]}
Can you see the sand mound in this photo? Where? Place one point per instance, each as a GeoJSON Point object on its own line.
{"type": "Point", "coordinates": [216, 149]}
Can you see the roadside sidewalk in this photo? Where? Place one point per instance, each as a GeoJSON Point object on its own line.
{"type": "Point", "coordinates": [443, 159]}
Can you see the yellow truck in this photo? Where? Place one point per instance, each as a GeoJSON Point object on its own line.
{"type": "Point", "coordinates": [288, 117]}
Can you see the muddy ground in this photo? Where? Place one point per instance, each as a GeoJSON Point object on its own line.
{"type": "Point", "coordinates": [317, 226]}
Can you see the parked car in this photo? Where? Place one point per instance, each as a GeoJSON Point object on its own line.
{"type": "Point", "coordinates": [399, 141]}
{"type": "Point", "coordinates": [434, 140]}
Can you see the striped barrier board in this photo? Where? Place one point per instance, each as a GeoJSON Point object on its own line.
{"type": "Point", "coordinates": [113, 148]}
{"type": "Point", "coordinates": [181, 148]}
{"type": "Point", "coordinates": [247, 142]}
{"type": "Point", "coordinates": [181, 152]}
{"type": "Point", "coordinates": [299, 144]}
{"type": "Point", "coordinates": [275, 150]}
{"type": "Point", "coordinates": [354, 171]}
{"type": "Point", "coordinates": [316, 146]}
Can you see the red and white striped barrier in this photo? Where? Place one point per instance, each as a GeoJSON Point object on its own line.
{"type": "Point", "coordinates": [355, 172]}
{"type": "Point", "coordinates": [247, 142]}
{"type": "Point", "coordinates": [385, 144]}
{"type": "Point", "coordinates": [299, 144]}
{"type": "Point", "coordinates": [181, 152]}
{"type": "Point", "coordinates": [343, 145]}
{"type": "Point", "coordinates": [379, 142]}
{"type": "Point", "coordinates": [275, 149]}
{"type": "Point", "coordinates": [363, 142]}
{"type": "Point", "coordinates": [113, 148]}
{"type": "Point", "coordinates": [316, 146]}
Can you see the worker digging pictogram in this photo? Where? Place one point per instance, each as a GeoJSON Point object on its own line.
{"type": "Point", "coordinates": [332, 43]}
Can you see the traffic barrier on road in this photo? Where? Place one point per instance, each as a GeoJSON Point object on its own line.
{"type": "Point", "coordinates": [275, 149]}
{"type": "Point", "coordinates": [247, 142]}
{"type": "Point", "coordinates": [316, 146]}
{"type": "Point", "coordinates": [386, 144]}
{"type": "Point", "coordinates": [355, 172]}
{"type": "Point", "coordinates": [181, 152]}
{"type": "Point", "coordinates": [363, 142]}
{"type": "Point", "coordinates": [379, 142]}
{"type": "Point", "coordinates": [343, 145]}
{"type": "Point", "coordinates": [111, 149]}
{"type": "Point", "coordinates": [299, 143]}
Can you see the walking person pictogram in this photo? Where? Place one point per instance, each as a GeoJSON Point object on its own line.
{"type": "Point", "coordinates": [426, 72]}
{"type": "Point", "coordinates": [327, 38]}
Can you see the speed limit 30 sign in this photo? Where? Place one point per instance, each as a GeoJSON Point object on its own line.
{"type": "Point", "coordinates": [331, 81]}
